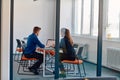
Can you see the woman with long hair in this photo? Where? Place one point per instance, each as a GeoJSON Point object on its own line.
{"type": "Point", "coordinates": [66, 45]}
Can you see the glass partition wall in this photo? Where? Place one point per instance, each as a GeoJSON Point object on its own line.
{"type": "Point", "coordinates": [75, 15]}
{"type": "Point", "coordinates": [94, 24]}
{"type": "Point", "coordinates": [27, 15]}
{"type": "Point", "coordinates": [86, 20]}
{"type": "Point", "coordinates": [111, 45]}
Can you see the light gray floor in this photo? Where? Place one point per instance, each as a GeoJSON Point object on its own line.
{"type": "Point", "coordinates": [90, 70]}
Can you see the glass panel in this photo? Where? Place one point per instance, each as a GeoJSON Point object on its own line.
{"type": "Point", "coordinates": [111, 49]}
{"type": "Point", "coordinates": [95, 19]}
{"type": "Point", "coordinates": [27, 15]}
{"type": "Point", "coordinates": [112, 30]}
{"type": "Point", "coordinates": [90, 51]}
{"type": "Point", "coordinates": [86, 16]}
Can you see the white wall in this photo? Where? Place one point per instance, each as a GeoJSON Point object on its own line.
{"type": "Point", "coordinates": [5, 40]}
{"type": "Point", "coordinates": [92, 42]}
{"type": "Point", "coordinates": [28, 14]}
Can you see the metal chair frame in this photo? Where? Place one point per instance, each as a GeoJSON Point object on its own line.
{"type": "Point", "coordinates": [78, 57]}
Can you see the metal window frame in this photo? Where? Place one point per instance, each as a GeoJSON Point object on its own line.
{"type": "Point", "coordinates": [119, 26]}
{"type": "Point", "coordinates": [73, 17]}
{"type": "Point", "coordinates": [82, 14]}
{"type": "Point", "coordinates": [0, 32]}
{"type": "Point", "coordinates": [11, 37]}
{"type": "Point", "coordinates": [92, 18]}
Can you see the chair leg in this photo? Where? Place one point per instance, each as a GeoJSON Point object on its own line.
{"type": "Point", "coordinates": [21, 64]}
{"type": "Point", "coordinates": [84, 69]}
{"type": "Point", "coordinates": [51, 63]}
{"type": "Point", "coordinates": [25, 66]}
{"type": "Point", "coordinates": [74, 69]}
{"type": "Point", "coordinates": [18, 57]}
{"type": "Point", "coordinates": [14, 56]}
{"type": "Point", "coordinates": [67, 69]}
{"type": "Point", "coordinates": [79, 69]}
{"type": "Point", "coordinates": [19, 68]}
{"type": "Point", "coordinates": [70, 67]}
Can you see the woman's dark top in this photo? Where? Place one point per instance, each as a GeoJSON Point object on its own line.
{"type": "Point", "coordinates": [67, 48]}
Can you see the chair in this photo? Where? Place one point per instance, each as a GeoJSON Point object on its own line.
{"type": "Point", "coordinates": [18, 51]}
{"type": "Point", "coordinates": [78, 61]}
{"type": "Point", "coordinates": [25, 63]}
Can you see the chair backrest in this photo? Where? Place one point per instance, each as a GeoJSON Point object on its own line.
{"type": "Point", "coordinates": [79, 52]}
{"type": "Point", "coordinates": [23, 44]}
{"type": "Point", "coordinates": [19, 45]}
{"type": "Point", "coordinates": [75, 45]}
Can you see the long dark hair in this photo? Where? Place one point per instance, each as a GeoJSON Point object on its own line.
{"type": "Point", "coordinates": [68, 36]}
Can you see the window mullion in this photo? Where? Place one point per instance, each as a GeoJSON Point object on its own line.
{"type": "Point", "coordinates": [73, 17]}
{"type": "Point", "coordinates": [82, 13]}
{"type": "Point", "coordinates": [91, 17]}
{"type": "Point", "coordinates": [119, 25]}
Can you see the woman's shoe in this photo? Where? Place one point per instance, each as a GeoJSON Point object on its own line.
{"type": "Point", "coordinates": [62, 75]}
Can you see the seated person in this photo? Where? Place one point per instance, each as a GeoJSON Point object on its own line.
{"type": "Point", "coordinates": [66, 45]}
{"type": "Point", "coordinates": [30, 50]}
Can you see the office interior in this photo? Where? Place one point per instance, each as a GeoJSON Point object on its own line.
{"type": "Point", "coordinates": [81, 17]}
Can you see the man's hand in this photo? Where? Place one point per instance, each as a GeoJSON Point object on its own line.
{"type": "Point", "coordinates": [39, 49]}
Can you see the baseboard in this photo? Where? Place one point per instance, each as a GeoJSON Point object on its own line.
{"type": "Point", "coordinates": [102, 65]}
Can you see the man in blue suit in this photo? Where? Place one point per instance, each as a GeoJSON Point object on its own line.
{"type": "Point", "coordinates": [30, 51]}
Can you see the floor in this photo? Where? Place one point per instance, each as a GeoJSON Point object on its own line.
{"type": "Point", "coordinates": [90, 70]}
